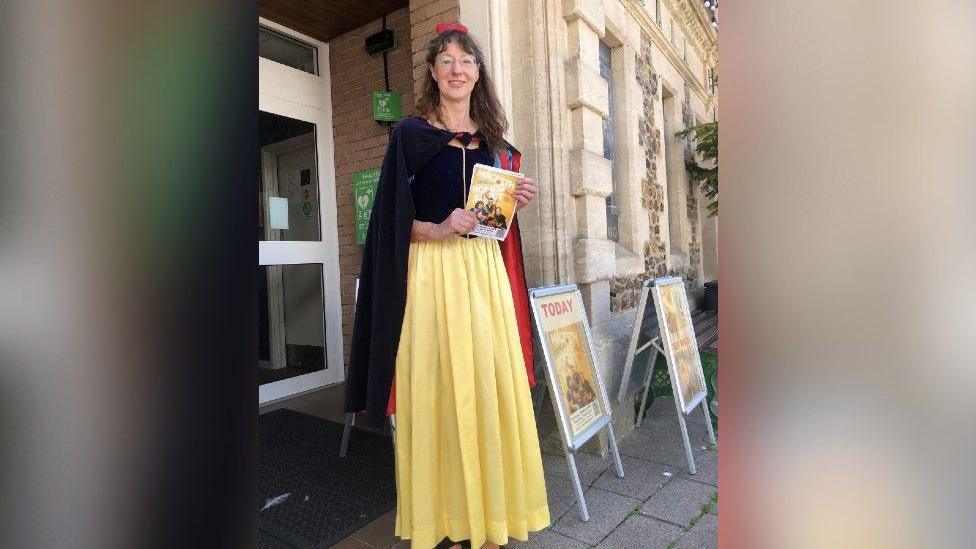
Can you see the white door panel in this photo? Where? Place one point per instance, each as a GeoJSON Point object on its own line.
{"type": "Point", "coordinates": [299, 250]}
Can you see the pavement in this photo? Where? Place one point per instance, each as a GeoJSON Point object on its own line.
{"type": "Point", "coordinates": [658, 503]}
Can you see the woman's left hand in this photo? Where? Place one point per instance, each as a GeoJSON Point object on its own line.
{"type": "Point", "coordinates": [524, 192]}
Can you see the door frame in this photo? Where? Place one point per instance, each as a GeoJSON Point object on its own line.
{"type": "Point", "coordinates": [290, 92]}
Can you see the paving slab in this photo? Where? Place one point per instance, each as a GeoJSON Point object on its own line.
{"type": "Point", "coordinates": [607, 511]}
{"type": "Point", "coordinates": [707, 444]}
{"type": "Point", "coordinates": [379, 533]}
{"type": "Point", "coordinates": [667, 429]}
{"type": "Point", "coordinates": [678, 501]}
{"type": "Point", "coordinates": [696, 416]}
{"type": "Point", "coordinates": [641, 478]}
{"type": "Point", "coordinates": [589, 466]}
{"type": "Point", "coordinates": [640, 532]}
{"type": "Point", "coordinates": [667, 419]}
{"type": "Point", "coordinates": [703, 535]}
{"type": "Point", "coordinates": [662, 419]}
{"type": "Point", "coordinates": [664, 447]}
{"type": "Point", "coordinates": [706, 465]}
{"type": "Point", "coordinates": [547, 539]}
{"type": "Point", "coordinates": [561, 495]}
{"type": "Point", "coordinates": [662, 409]}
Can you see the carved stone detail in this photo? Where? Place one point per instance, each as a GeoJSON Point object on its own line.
{"type": "Point", "coordinates": [695, 23]}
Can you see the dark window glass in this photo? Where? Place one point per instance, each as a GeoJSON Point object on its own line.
{"type": "Point", "coordinates": [286, 50]}
{"type": "Point", "coordinates": [290, 323]}
{"type": "Point", "coordinates": [288, 181]}
{"type": "Point", "coordinates": [613, 211]}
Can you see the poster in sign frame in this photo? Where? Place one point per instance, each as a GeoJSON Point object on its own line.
{"type": "Point", "coordinates": [569, 363]}
{"type": "Point", "coordinates": [575, 385]}
{"type": "Point", "coordinates": [680, 348]}
{"type": "Point", "coordinates": [679, 343]}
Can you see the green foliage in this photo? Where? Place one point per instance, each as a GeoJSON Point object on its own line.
{"type": "Point", "coordinates": [706, 145]}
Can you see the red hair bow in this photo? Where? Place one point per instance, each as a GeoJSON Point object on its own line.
{"type": "Point", "coordinates": [444, 27]}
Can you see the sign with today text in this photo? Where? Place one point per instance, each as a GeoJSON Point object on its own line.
{"type": "Point", "coordinates": [574, 380]}
{"type": "Point", "coordinates": [572, 377]}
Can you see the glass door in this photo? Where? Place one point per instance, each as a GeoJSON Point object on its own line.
{"type": "Point", "coordinates": [299, 314]}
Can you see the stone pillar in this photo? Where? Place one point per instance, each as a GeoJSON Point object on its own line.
{"type": "Point", "coordinates": [540, 128]}
{"type": "Point", "coordinates": [587, 99]}
{"type": "Point", "coordinates": [676, 182]}
{"type": "Point", "coordinates": [590, 181]}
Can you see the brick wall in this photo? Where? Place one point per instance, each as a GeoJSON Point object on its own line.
{"type": "Point", "coordinates": [360, 142]}
{"type": "Point", "coordinates": [424, 16]}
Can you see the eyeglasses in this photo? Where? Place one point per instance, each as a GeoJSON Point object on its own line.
{"type": "Point", "coordinates": [447, 62]}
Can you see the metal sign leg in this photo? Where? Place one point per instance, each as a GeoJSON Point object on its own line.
{"type": "Point", "coordinates": [616, 454]}
{"type": "Point", "coordinates": [350, 421]}
{"type": "Point", "coordinates": [648, 379]}
{"type": "Point", "coordinates": [708, 421]}
{"type": "Point", "coordinates": [574, 474]}
{"type": "Point", "coordinates": [643, 405]}
{"type": "Point", "coordinates": [684, 436]}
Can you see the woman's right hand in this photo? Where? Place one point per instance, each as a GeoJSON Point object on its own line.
{"type": "Point", "coordinates": [459, 222]}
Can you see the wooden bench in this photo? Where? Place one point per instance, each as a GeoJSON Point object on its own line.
{"type": "Point", "coordinates": [706, 330]}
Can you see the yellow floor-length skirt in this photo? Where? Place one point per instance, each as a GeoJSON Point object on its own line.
{"type": "Point", "coordinates": [468, 464]}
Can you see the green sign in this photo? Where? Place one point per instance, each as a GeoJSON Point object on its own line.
{"type": "Point", "coordinates": [364, 191]}
{"type": "Point", "coordinates": [386, 106]}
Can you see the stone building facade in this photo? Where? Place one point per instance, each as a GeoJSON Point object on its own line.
{"type": "Point", "coordinates": [599, 89]}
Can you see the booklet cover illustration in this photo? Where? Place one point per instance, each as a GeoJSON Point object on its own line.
{"type": "Point", "coordinates": [492, 199]}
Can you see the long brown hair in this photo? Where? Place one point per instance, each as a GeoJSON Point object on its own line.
{"type": "Point", "coordinates": [486, 110]}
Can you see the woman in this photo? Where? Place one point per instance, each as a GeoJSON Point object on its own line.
{"type": "Point", "coordinates": [436, 334]}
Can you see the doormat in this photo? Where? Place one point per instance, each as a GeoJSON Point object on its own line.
{"type": "Point", "coordinates": [309, 497]}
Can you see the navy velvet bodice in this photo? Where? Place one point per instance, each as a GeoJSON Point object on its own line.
{"type": "Point", "coordinates": [437, 188]}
